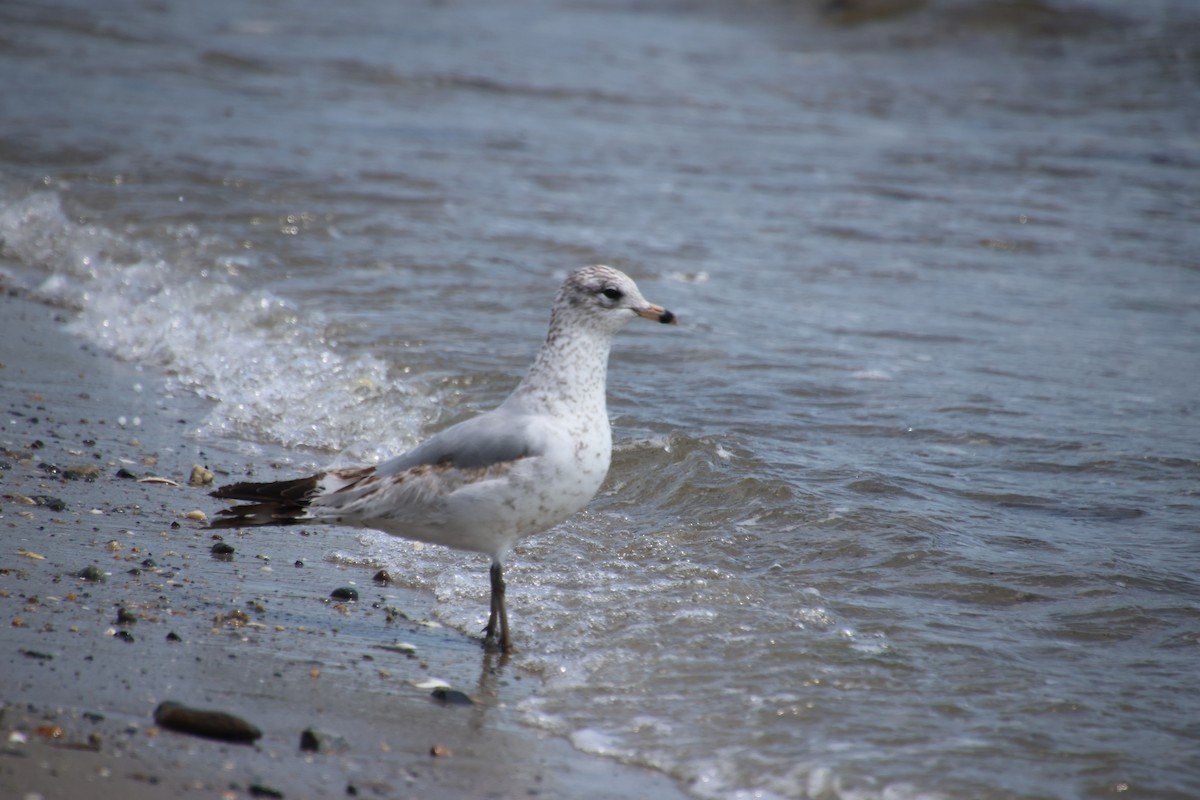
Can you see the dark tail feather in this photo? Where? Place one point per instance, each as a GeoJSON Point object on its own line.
{"type": "Point", "coordinates": [293, 491]}
{"type": "Point", "coordinates": [276, 503]}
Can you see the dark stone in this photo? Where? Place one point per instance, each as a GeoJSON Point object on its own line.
{"type": "Point", "coordinates": [36, 654]}
{"type": "Point", "coordinates": [124, 473]}
{"type": "Point", "coordinates": [52, 503]}
{"type": "Point", "coordinates": [92, 573]}
{"type": "Point", "coordinates": [344, 593]}
{"type": "Point", "coordinates": [315, 741]}
{"type": "Point", "coordinates": [258, 790]}
{"type": "Point", "coordinates": [124, 636]}
{"type": "Point", "coordinates": [209, 724]}
{"type": "Point", "coordinates": [452, 697]}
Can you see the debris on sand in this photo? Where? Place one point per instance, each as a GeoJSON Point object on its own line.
{"type": "Point", "coordinates": [201, 476]}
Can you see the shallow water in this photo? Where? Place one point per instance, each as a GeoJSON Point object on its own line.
{"type": "Point", "coordinates": [906, 507]}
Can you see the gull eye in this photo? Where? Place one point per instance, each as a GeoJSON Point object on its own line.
{"type": "Point", "coordinates": [613, 294]}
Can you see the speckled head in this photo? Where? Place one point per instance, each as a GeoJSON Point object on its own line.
{"type": "Point", "coordinates": [607, 297]}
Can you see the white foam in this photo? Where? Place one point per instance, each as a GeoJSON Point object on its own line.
{"type": "Point", "coordinates": [269, 366]}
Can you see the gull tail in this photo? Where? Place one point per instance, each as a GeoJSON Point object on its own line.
{"type": "Point", "coordinates": [275, 503]}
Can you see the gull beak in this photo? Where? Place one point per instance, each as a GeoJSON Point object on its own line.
{"type": "Point", "coordinates": [658, 314]}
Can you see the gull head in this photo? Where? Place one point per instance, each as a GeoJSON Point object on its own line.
{"type": "Point", "coordinates": [606, 298]}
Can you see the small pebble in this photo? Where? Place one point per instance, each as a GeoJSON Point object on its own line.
{"type": "Point", "coordinates": [235, 618]}
{"type": "Point", "coordinates": [50, 731]}
{"type": "Point", "coordinates": [197, 515]}
{"type": "Point", "coordinates": [52, 503]}
{"type": "Point", "coordinates": [383, 576]}
{"type": "Point", "coordinates": [317, 741]}
{"type": "Point", "coordinates": [222, 549]}
{"type": "Point", "coordinates": [88, 472]}
{"type": "Point", "coordinates": [451, 697]}
{"type": "Point", "coordinates": [92, 573]}
{"type": "Point", "coordinates": [344, 593]}
{"type": "Point", "coordinates": [125, 616]}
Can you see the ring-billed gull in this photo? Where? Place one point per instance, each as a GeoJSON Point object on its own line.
{"type": "Point", "coordinates": [487, 482]}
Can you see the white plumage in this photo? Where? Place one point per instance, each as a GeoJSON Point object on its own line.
{"type": "Point", "coordinates": [489, 481]}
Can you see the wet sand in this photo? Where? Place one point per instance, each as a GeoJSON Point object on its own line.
{"type": "Point", "coordinates": [85, 662]}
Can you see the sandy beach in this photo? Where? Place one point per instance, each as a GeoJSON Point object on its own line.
{"type": "Point", "coordinates": [114, 602]}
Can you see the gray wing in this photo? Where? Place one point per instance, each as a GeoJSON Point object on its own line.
{"type": "Point", "coordinates": [491, 438]}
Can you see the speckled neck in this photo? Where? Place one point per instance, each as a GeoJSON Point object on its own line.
{"type": "Point", "coordinates": [568, 375]}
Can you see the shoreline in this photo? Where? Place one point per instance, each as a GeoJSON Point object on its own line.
{"type": "Point", "coordinates": [86, 661]}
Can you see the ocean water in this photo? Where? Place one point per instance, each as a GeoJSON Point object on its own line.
{"type": "Point", "coordinates": [909, 504]}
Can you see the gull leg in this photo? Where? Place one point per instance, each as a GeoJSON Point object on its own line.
{"type": "Point", "coordinates": [498, 618]}
{"type": "Point", "coordinates": [489, 632]}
